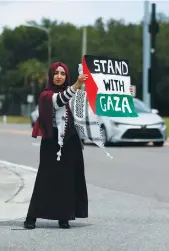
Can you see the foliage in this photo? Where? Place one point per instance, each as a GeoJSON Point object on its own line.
{"type": "Point", "coordinates": [24, 51]}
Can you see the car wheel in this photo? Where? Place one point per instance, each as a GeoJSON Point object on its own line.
{"type": "Point", "coordinates": [161, 143]}
{"type": "Point", "coordinates": [104, 135]}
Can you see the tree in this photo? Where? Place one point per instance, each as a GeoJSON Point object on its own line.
{"type": "Point", "coordinates": [162, 18]}
{"type": "Point", "coordinates": [34, 74]}
{"type": "Point", "coordinates": [32, 69]}
{"type": "Point", "coordinates": [24, 50]}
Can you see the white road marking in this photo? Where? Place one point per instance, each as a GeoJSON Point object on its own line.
{"type": "Point", "coordinates": [10, 164]}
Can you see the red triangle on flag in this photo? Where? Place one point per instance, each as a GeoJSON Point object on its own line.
{"type": "Point", "coordinates": [90, 86]}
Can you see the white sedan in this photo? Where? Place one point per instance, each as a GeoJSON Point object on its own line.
{"type": "Point", "coordinates": [147, 127]}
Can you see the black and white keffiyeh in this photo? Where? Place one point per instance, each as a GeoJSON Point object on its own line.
{"type": "Point", "coordinates": [86, 122]}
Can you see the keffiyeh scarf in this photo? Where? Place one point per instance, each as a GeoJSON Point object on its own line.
{"type": "Point", "coordinates": [86, 122]}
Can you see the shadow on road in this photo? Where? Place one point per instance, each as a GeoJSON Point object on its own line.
{"type": "Point", "coordinates": [16, 225]}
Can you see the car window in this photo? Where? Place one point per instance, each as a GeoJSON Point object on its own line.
{"type": "Point", "coordinates": [141, 107]}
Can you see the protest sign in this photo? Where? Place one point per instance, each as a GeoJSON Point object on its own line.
{"type": "Point", "coordinates": [108, 86]}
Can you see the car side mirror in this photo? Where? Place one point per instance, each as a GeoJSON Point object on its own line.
{"type": "Point", "coordinates": [155, 111]}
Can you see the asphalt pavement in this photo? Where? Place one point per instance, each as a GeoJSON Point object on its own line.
{"type": "Point", "coordinates": [128, 198]}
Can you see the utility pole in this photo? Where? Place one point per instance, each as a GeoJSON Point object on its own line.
{"type": "Point", "coordinates": [153, 71]}
{"type": "Point", "coordinates": [84, 51]}
{"type": "Point", "coordinates": [146, 53]}
{"type": "Point", "coordinates": [84, 41]}
{"type": "Point", "coordinates": [49, 46]}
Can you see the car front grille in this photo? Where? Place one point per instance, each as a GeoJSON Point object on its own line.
{"type": "Point", "coordinates": [143, 133]}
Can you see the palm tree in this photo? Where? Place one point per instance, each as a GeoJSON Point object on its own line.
{"type": "Point", "coordinates": [32, 71]}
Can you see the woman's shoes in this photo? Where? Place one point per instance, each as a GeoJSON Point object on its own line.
{"type": "Point", "coordinates": [64, 224]}
{"type": "Point", "coordinates": [30, 224]}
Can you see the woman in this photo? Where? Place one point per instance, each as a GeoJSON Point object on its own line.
{"type": "Point", "coordinates": [60, 191]}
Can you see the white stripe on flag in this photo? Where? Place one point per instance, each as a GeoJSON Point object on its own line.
{"type": "Point", "coordinates": [99, 77]}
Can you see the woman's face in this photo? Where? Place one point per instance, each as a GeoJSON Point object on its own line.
{"type": "Point", "coordinates": [59, 76]}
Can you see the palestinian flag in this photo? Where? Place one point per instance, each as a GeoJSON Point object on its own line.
{"type": "Point", "coordinates": [108, 86]}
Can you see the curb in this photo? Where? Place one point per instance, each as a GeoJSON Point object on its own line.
{"type": "Point", "coordinates": [16, 205]}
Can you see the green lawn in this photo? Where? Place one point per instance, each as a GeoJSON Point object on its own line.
{"type": "Point", "coordinates": [167, 123]}
{"type": "Point", "coordinates": [16, 120]}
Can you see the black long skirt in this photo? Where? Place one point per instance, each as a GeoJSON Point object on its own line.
{"type": "Point", "coordinates": [60, 191]}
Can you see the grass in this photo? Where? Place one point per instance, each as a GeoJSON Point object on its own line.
{"type": "Point", "coordinates": [167, 124]}
{"type": "Point", "coordinates": [26, 120]}
{"type": "Point", "coordinates": [16, 120]}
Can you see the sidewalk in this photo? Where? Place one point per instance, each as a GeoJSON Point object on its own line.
{"type": "Point", "coordinates": [16, 185]}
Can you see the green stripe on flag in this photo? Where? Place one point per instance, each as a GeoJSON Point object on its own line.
{"type": "Point", "coordinates": [115, 105]}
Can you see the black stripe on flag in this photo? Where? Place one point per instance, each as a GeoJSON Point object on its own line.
{"type": "Point", "coordinates": [107, 65]}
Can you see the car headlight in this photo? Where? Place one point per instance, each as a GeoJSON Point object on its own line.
{"type": "Point", "coordinates": [160, 123]}
{"type": "Point", "coordinates": [118, 123]}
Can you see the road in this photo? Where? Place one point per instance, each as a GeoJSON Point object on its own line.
{"type": "Point", "coordinates": [128, 199]}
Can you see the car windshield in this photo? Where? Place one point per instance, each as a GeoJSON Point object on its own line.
{"type": "Point", "coordinates": [141, 107]}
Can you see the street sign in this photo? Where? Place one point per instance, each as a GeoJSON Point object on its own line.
{"type": "Point", "coordinates": [30, 98]}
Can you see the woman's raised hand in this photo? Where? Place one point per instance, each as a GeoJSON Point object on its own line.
{"type": "Point", "coordinates": [80, 80]}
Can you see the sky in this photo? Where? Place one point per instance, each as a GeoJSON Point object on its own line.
{"type": "Point", "coordinates": [14, 13]}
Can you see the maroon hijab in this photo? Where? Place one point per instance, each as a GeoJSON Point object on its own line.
{"type": "Point", "coordinates": [43, 126]}
{"type": "Point", "coordinates": [51, 72]}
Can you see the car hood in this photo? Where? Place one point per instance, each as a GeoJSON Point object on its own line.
{"type": "Point", "coordinates": [142, 119]}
